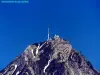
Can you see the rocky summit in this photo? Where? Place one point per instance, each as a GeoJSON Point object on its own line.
{"type": "Point", "coordinates": [52, 57]}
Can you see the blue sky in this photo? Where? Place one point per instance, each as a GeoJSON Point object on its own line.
{"type": "Point", "coordinates": [75, 20]}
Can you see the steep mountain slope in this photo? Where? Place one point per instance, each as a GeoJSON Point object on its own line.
{"type": "Point", "coordinates": [52, 57]}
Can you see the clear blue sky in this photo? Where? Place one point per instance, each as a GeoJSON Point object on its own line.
{"type": "Point", "coordinates": [75, 20]}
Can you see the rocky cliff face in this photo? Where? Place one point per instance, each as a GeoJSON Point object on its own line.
{"type": "Point", "coordinates": [52, 57]}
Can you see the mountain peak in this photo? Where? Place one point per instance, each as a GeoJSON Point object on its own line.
{"type": "Point", "coordinates": [52, 57]}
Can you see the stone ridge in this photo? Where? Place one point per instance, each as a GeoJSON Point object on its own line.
{"type": "Point", "coordinates": [52, 57]}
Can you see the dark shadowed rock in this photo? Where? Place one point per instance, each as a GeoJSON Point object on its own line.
{"type": "Point", "coordinates": [52, 57]}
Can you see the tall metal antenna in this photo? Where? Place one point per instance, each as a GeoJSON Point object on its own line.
{"type": "Point", "coordinates": [48, 33]}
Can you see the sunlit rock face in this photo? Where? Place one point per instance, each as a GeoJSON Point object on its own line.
{"type": "Point", "coordinates": [52, 57]}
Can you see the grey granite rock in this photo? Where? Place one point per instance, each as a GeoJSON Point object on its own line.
{"type": "Point", "coordinates": [52, 57]}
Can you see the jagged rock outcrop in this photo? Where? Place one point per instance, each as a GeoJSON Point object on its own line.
{"type": "Point", "coordinates": [52, 57]}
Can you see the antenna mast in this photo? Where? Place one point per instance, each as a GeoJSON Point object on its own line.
{"type": "Point", "coordinates": [48, 33]}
